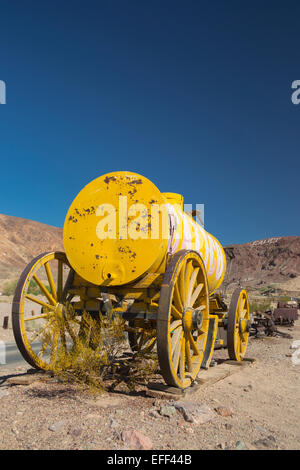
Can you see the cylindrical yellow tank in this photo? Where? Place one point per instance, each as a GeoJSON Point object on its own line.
{"type": "Point", "coordinates": [120, 227]}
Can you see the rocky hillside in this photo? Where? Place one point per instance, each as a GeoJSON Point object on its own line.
{"type": "Point", "coordinates": [21, 240]}
{"type": "Point", "coordinates": [268, 261]}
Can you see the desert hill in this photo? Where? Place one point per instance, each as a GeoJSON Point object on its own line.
{"type": "Point", "coordinates": [23, 239]}
{"type": "Point", "coordinates": [265, 262]}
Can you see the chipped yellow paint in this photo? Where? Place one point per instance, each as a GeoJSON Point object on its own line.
{"type": "Point", "coordinates": [105, 252]}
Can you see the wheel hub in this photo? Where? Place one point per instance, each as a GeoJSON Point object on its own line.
{"type": "Point", "coordinates": [60, 312]}
{"type": "Point", "coordinates": [192, 319]}
{"type": "Point", "coordinates": [198, 318]}
{"type": "Point", "coordinates": [244, 326]}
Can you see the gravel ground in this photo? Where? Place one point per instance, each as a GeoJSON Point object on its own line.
{"type": "Point", "coordinates": [262, 399]}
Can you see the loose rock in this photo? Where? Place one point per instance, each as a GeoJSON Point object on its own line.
{"type": "Point", "coordinates": [168, 411]}
{"type": "Point", "coordinates": [266, 442]}
{"type": "Point", "coordinates": [223, 411]}
{"type": "Point", "coordinates": [240, 445]}
{"type": "Point", "coordinates": [4, 393]}
{"type": "Point", "coordinates": [57, 427]}
{"type": "Point", "coordinates": [76, 432]}
{"type": "Point", "coordinates": [136, 440]}
{"type": "Point", "coordinates": [154, 413]}
{"type": "Point", "coordinates": [113, 423]}
{"type": "Point", "coordinates": [196, 413]}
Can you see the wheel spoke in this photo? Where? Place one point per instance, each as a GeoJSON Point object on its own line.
{"type": "Point", "coordinates": [243, 313]}
{"type": "Point", "coordinates": [193, 344]}
{"type": "Point", "coordinates": [176, 314]}
{"type": "Point", "coordinates": [188, 355]}
{"type": "Point", "coordinates": [44, 290]}
{"type": "Point", "coordinates": [182, 358]}
{"type": "Point", "coordinates": [54, 344]}
{"type": "Point", "coordinates": [41, 331]}
{"type": "Point", "coordinates": [37, 317]}
{"type": "Point", "coordinates": [191, 285]}
{"type": "Point", "coordinates": [63, 338]}
{"type": "Point", "coordinates": [196, 294]}
{"type": "Point", "coordinates": [177, 298]}
{"type": "Point", "coordinates": [44, 347]}
{"type": "Point", "coordinates": [175, 338]}
{"type": "Point", "coordinates": [40, 302]}
{"type": "Point", "coordinates": [68, 283]}
{"type": "Point", "coordinates": [177, 354]}
{"type": "Point", "coordinates": [50, 280]}
{"type": "Point", "coordinates": [70, 331]}
{"type": "Point", "coordinates": [181, 279]}
{"type": "Point", "coordinates": [59, 280]}
{"type": "Point", "coordinates": [187, 277]}
{"type": "Point", "coordinates": [242, 303]}
{"type": "Point", "coordinates": [175, 324]}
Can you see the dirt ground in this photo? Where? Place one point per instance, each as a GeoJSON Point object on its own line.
{"type": "Point", "coordinates": [263, 400]}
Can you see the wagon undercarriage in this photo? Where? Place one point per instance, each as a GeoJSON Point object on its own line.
{"type": "Point", "coordinates": [169, 312]}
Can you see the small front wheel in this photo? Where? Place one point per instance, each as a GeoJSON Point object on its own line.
{"type": "Point", "coordinates": [238, 326]}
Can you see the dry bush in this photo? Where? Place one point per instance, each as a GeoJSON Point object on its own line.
{"type": "Point", "coordinates": [99, 359]}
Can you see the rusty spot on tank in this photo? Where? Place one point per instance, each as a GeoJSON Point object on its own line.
{"type": "Point", "coordinates": [89, 211]}
{"type": "Point", "coordinates": [132, 192]}
{"type": "Point", "coordinates": [133, 183]}
{"type": "Point", "coordinates": [139, 181]}
{"type": "Point", "coordinates": [108, 179]}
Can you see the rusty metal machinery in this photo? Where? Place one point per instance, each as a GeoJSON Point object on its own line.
{"type": "Point", "coordinates": [286, 313]}
{"type": "Point", "coordinates": [133, 251]}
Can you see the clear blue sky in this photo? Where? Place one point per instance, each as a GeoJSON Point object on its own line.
{"type": "Point", "coordinates": [194, 95]}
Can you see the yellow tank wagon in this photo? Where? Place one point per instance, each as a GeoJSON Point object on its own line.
{"type": "Point", "coordinates": [133, 251]}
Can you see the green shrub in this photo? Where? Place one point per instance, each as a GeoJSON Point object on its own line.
{"type": "Point", "coordinates": [33, 288]}
{"type": "Point", "coordinates": [10, 287]}
{"type": "Point", "coordinates": [260, 306]}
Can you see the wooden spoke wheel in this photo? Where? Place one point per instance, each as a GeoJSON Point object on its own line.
{"type": "Point", "coordinates": [41, 310]}
{"type": "Point", "coordinates": [141, 336]}
{"type": "Point", "coordinates": [183, 319]}
{"type": "Point", "coordinates": [238, 326]}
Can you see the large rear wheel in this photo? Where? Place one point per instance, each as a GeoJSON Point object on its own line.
{"type": "Point", "coordinates": [183, 319]}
